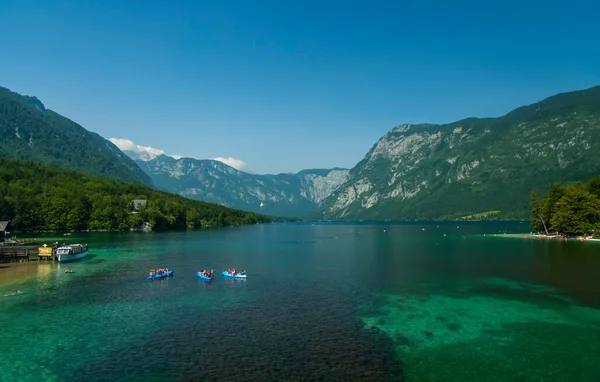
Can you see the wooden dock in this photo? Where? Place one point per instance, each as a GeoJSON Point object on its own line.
{"type": "Point", "coordinates": [9, 254]}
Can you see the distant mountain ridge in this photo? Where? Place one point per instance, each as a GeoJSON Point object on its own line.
{"type": "Point", "coordinates": [474, 165]}
{"type": "Point", "coordinates": [292, 195]}
{"type": "Point", "coordinates": [29, 131]}
{"type": "Point", "coordinates": [39, 197]}
{"type": "Point", "coordinates": [143, 156]}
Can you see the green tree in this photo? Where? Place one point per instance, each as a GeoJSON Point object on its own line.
{"type": "Point", "coordinates": [593, 186]}
{"type": "Point", "coordinates": [135, 220]}
{"type": "Point", "coordinates": [56, 211]}
{"type": "Point", "coordinates": [555, 193]}
{"type": "Point", "coordinates": [577, 211]}
{"type": "Point", "coordinates": [538, 218]}
{"type": "Point", "coordinates": [38, 197]}
{"type": "Point", "coordinates": [191, 217]}
{"type": "Point", "coordinates": [78, 215]}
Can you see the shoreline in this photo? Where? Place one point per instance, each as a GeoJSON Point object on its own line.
{"type": "Point", "coordinates": [68, 233]}
{"type": "Point", "coordinates": [13, 273]}
{"type": "Point", "coordinates": [559, 237]}
{"type": "Point", "coordinates": [543, 236]}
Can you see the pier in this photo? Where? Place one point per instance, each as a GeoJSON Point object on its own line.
{"type": "Point", "coordinates": [10, 254]}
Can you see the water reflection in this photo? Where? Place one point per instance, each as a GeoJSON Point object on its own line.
{"type": "Point", "coordinates": [569, 265]}
{"type": "Point", "coordinates": [43, 271]}
{"type": "Point", "coordinates": [231, 282]}
{"type": "Point", "coordinates": [204, 284]}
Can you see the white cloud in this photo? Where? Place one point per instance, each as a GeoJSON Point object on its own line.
{"type": "Point", "coordinates": [147, 153]}
{"type": "Point", "coordinates": [151, 150]}
{"type": "Point", "coordinates": [124, 144]}
{"type": "Point", "coordinates": [235, 163]}
{"type": "Point", "coordinates": [141, 152]}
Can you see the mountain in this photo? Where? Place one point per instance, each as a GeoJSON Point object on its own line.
{"type": "Point", "coordinates": [29, 131]}
{"type": "Point", "coordinates": [215, 182]}
{"type": "Point", "coordinates": [143, 156]}
{"type": "Point", "coordinates": [474, 166]}
{"type": "Point", "coordinates": [38, 197]}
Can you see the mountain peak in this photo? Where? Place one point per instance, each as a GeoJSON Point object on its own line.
{"type": "Point", "coordinates": [143, 156]}
{"type": "Point", "coordinates": [30, 131]}
{"type": "Point", "coordinates": [30, 100]}
{"type": "Point", "coordinates": [217, 182]}
{"type": "Point", "coordinates": [35, 102]}
{"type": "Point", "coordinates": [474, 165]}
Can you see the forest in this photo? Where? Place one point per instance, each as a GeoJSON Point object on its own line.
{"type": "Point", "coordinates": [29, 131]}
{"type": "Point", "coordinates": [570, 210]}
{"type": "Point", "coordinates": [36, 197]}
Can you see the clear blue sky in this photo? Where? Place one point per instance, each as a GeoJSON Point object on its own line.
{"type": "Point", "coordinates": [287, 85]}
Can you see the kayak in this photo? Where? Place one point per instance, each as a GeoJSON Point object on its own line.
{"type": "Point", "coordinates": [169, 273]}
{"type": "Point", "coordinates": [202, 277]}
{"type": "Point", "coordinates": [238, 276]}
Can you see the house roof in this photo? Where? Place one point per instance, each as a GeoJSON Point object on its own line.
{"type": "Point", "coordinates": [137, 203]}
{"type": "Point", "coordinates": [3, 225]}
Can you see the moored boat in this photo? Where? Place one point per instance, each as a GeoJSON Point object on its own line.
{"type": "Point", "coordinates": [233, 276]}
{"type": "Point", "coordinates": [71, 252]}
{"type": "Point", "coordinates": [168, 273]}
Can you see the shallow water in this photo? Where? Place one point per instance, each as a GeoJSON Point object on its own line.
{"type": "Point", "coordinates": [414, 302]}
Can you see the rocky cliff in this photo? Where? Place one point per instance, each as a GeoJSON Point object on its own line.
{"type": "Point", "coordinates": [213, 181]}
{"type": "Point", "coordinates": [474, 166]}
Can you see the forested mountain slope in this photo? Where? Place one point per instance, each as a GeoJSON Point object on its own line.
{"type": "Point", "coordinates": [29, 131]}
{"type": "Point", "coordinates": [474, 165]}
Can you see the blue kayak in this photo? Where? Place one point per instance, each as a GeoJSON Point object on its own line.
{"type": "Point", "coordinates": [238, 276]}
{"type": "Point", "coordinates": [202, 277]}
{"type": "Point", "coordinates": [156, 276]}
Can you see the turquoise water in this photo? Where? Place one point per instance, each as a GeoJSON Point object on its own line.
{"type": "Point", "coordinates": [390, 302]}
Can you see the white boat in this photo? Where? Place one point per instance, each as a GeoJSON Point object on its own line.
{"type": "Point", "coordinates": [71, 252]}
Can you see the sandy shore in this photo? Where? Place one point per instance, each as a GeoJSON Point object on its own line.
{"type": "Point", "coordinates": [11, 273]}
{"type": "Point", "coordinates": [579, 238]}
{"type": "Point", "coordinates": [536, 236]}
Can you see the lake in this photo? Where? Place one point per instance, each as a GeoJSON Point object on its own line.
{"type": "Point", "coordinates": [323, 301]}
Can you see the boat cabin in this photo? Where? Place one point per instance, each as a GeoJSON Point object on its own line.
{"type": "Point", "coordinates": [72, 249]}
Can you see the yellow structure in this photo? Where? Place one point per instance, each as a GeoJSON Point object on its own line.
{"type": "Point", "coordinates": [45, 251]}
